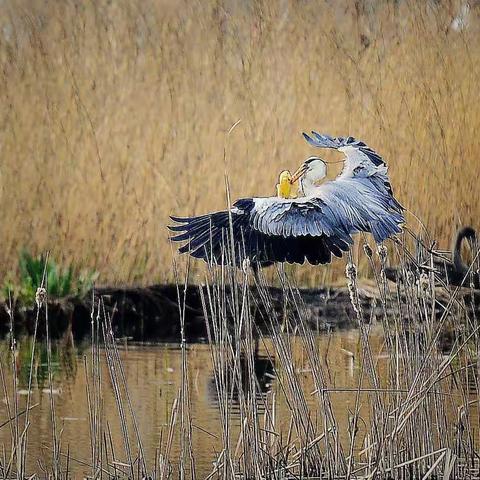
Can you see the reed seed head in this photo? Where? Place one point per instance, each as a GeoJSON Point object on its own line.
{"type": "Point", "coordinates": [410, 277]}
{"type": "Point", "coordinates": [382, 252]}
{"type": "Point", "coordinates": [351, 271]}
{"type": "Point", "coordinates": [368, 250]}
{"type": "Point", "coordinates": [424, 282]}
{"type": "Point", "coordinates": [40, 296]}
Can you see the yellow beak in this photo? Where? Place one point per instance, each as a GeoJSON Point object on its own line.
{"type": "Point", "coordinates": [301, 170]}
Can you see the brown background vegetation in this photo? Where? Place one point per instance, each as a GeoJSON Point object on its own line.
{"type": "Point", "coordinates": [114, 115]}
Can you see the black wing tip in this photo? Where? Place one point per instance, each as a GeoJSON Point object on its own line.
{"type": "Point", "coordinates": [322, 140]}
{"type": "Point", "coordinates": [179, 219]}
{"type": "Point", "coordinates": [178, 228]}
{"type": "Point", "coordinates": [185, 248]}
{"type": "Point", "coordinates": [321, 137]}
{"type": "Point", "coordinates": [181, 224]}
{"type": "Point", "coordinates": [181, 237]}
{"type": "Point", "coordinates": [309, 139]}
{"type": "Point", "coordinates": [335, 142]}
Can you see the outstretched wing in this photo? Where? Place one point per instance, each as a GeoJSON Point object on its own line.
{"type": "Point", "coordinates": [264, 230]}
{"type": "Point", "coordinates": [360, 162]}
{"type": "Point", "coordinates": [357, 152]}
{"type": "Point", "coordinates": [273, 229]}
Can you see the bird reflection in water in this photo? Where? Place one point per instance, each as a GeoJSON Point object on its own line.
{"type": "Point", "coordinates": [263, 370]}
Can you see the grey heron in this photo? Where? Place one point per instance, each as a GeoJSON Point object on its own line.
{"type": "Point", "coordinates": [314, 226]}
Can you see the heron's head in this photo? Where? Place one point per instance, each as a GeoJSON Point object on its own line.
{"type": "Point", "coordinates": [313, 169]}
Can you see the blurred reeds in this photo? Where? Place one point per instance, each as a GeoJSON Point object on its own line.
{"type": "Point", "coordinates": [114, 115]}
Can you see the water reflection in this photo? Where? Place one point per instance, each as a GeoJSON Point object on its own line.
{"type": "Point", "coordinates": [263, 373]}
{"type": "Point", "coordinates": [63, 359]}
{"type": "Point", "coordinates": [153, 374]}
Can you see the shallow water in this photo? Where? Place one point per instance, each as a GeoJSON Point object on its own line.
{"type": "Point", "coordinates": [153, 375]}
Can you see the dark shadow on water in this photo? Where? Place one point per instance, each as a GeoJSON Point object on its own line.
{"type": "Point", "coordinates": [263, 369]}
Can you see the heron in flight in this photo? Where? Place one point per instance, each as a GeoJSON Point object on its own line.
{"type": "Point", "coordinates": [312, 227]}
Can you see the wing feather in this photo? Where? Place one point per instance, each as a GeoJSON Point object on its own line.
{"type": "Point", "coordinates": [264, 230]}
{"type": "Point", "coordinates": [361, 161]}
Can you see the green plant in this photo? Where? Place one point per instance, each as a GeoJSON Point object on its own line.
{"type": "Point", "coordinates": [43, 270]}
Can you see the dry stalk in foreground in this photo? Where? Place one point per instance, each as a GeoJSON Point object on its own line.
{"type": "Point", "coordinates": [413, 414]}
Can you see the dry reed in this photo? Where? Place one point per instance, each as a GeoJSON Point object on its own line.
{"type": "Point", "coordinates": [413, 416]}
{"type": "Point", "coordinates": [114, 115]}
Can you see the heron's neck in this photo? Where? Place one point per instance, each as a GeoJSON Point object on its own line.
{"type": "Point", "coordinates": [309, 185]}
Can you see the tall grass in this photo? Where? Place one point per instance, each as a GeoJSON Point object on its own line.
{"type": "Point", "coordinates": [114, 114]}
{"type": "Point", "coordinates": [414, 410]}
{"type": "Point", "coordinates": [414, 416]}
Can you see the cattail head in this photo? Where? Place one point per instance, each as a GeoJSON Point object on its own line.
{"type": "Point", "coordinates": [368, 250]}
{"type": "Point", "coordinates": [40, 296]}
{"type": "Point", "coordinates": [351, 271]}
{"type": "Point", "coordinates": [382, 252]}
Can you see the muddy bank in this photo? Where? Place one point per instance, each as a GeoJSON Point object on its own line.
{"type": "Point", "coordinates": [152, 313]}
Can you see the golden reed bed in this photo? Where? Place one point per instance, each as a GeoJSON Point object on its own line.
{"type": "Point", "coordinates": [114, 115]}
